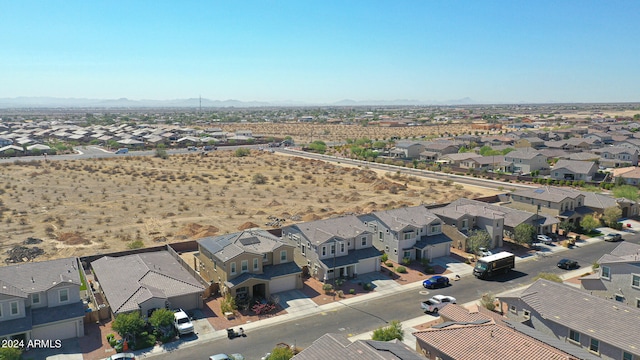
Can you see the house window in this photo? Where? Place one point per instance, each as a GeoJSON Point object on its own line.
{"type": "Point", "coordinates": [619, 297]}
{"type": "Point", "coordinates": [407, 255]}
{"type": "Point", "coordinates": [526, 314]}
{"type": "Point", "coordinates": [324, 251]}
{"type": "Point", "coordinates": [627, 356]}
{"type": "Point", "coordinates": [13, 306]}
{"type": "Point", "coordinates": [635, 281]}
{"type": "Point", "coordinates": [512, 308]}
{"type": "Point", "coordinates": [364, 241]}
{"type": "Point", "coordinates": [255, 264]}
{"type": "Point", "coordinates": [594, 345]}
{"type": "Point", "coordinates": [302, 250]}
{"type": "Point", "coordinates": [465, 223]}
{"type": "Point", "coordinates": [332, 249]}
{"type": "Point", "coordinates": [63, 295]}
{"type": "Point", "coordinates": [380, 235]}
{"type": "Point", "coordinates": [574, 336]}
{"type": "Point", "coordinates": [407, 236]}
{"type": "Point", "coordinates": [283, 255]}
{"type": "Point", "coordinates": [244, 266]}
{"type": "Point", "coordinates": [265, 257]}
{"type": "Point", "coordinates": [233, 268]}
{"type": "Point", "coordinates": [435, 229]}
{"type": "Point", "coordinates": [35, 298]}
{"type": "Point", "coordinates": [606, 273]}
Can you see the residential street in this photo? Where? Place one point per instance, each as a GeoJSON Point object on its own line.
{"type": "Point", "coordinates": [368, 315]}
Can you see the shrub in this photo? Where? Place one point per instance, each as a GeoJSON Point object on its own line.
{"type": "Point", "coordinates": [367, 286]}
{"type": "Point", "coordinates": [241, 152]}
{"type": "Point", "coordinates": [228, 304]}
{"type": "Point", "coordinates": [401, 269]}
{"type": "Point", "coordinates": [352, 291]}
{"type": "Point", "coordinates": [340, 293]}
{"type": "Point", "coordinates": [137, 244]}
{"type": "Point", "coordinates": [327, 288]}
{"type": "Point", "coordinates": [145, 340]}
{"type": "Point", "coordinates": [260, 308]}
{"type": "Point", "coordinates": [384, 257]}
{"type": "Point", "coordinates": [389, 264]}
{"type": "Point", "coordinates": [391, 332]}
{"type": "Point", "coordinates": [339, 282]}
{"type": "Point", "coordinates": [488, 301]}
{"type": "Point", "coordinates": [406, 261]}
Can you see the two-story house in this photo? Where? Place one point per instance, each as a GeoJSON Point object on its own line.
{"type": "Point", "coordinates": [412, 232]}
{"type": "Point", "coordinates": [628, 175]}
{"type": "Point", "coordinates": [574, 170]}
{"type": "Point", "coordinates": [618, 276]}
{"type": "Point", "coordinates": [251, 263]}
{"type": "Point", "coordinates": [41, 300]}
{"type": "Point", "coordinates": [407, 149]}
{"type": "Point", "coordinates": [617, 156]}
{"type": "Point", "coordinates": [526, 160]}
{"type": "Point", "coordinates": [603, 327]}
{"type": "Point", "coordinates": [564, 204]}
{"type": "Point", "coordinates": [337, 247]}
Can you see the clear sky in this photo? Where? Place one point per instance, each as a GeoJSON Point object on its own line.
{"type": "Point", "coordinates": [322, 51]}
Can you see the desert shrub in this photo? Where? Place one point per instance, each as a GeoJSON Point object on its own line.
{"type": "Point", "coordinates": [145, 340]}
{"type": "Point", "coordinates": [488, 301]}
{"type": "Point", "coordinates": [389, 264]}
{"type": "Point", "coordinates": [340, 293]}
{"type": "Point", "coordinates": [327, 288]}
{"type": "Point", "coordinates": [352, 291]}
{"type": "Point", "coordinates": [136, 244]}
{"type": "Point", "coordinates": [367, 286]}
{"type": "Point", "coordinates": [339, 282]}
{"type": "Point", "coordinates": [401, 269]}
{"type": "Point", "coordinates": [241, 152]}
{"type": "Point", "coordinates": [406, 261]}
{"type": "Point", "coordinates": [384, 257]}
{"type": "Point", "coordinates": [259, 179]}
{"type": "Point", "coordinates": [391, 332]}
{"type": "Point", "coordinates": [228, 304]}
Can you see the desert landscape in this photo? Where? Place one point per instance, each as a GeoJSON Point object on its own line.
{"type": "Point", "coordinates": [53, 209]}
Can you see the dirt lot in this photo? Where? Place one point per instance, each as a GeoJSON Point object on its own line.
{"type": "Point", "coordinates": [81, 207]}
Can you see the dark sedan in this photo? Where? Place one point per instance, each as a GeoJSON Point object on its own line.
{"type": "Point", "coordinates": [568, 264]}
{"type": "Point", "coordinates": [436, 282]}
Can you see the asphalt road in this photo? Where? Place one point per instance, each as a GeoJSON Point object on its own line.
{"type": "Point", "coordinates": [369, 315]}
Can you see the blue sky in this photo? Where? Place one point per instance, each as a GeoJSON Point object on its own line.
{"type": "Point", "coordinates": [322, 51]}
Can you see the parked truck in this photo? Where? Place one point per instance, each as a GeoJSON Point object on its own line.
{"type": "Point", "coordinates": [436, 303]}
{"type": "Point", "coordinates": [491, 265]}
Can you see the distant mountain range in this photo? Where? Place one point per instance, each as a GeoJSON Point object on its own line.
{"type": "Point", "coordinates": [53, 102]}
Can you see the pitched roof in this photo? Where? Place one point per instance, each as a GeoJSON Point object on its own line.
{"type": "Point", "coordinates": [130, 280]}
{"type": "Point", "coordinates": [320, 231]}
{"type": "Point", "coordinates": [576, 166]}
{"type": "Point", "coordinates": [557, 303]}
{"type": "Point", "coordinates": [338, 346]}
{"type": "Point", "coordinates": [598, 201]}
{"type": "Point", "coordinates": [268, 272]}
{"type": "Point", "coordinates": [523, 154]}
{"type": "Point", "coordinates": [548, 193]}
{"type": "Point", "coordinates": [626, 252]}
{"type": "Point", "coordinates": [255, 241]}
{"type": "Point", "coordinates": [398, 219]}
{"type": "Point", "coordinates": [26, 278]}
{"type": "Point", "coordinates": [512, 217]}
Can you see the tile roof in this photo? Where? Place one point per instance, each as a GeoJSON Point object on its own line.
{"type": "Point", "coordinates": [548, 193]}
{"type": "Point", "coordinates": [398, 219]}
{"type": "Point", "coordinates": [268, 272]}
{"type": "Point", "coordinates": [320, 231]}
{"type": "Point", "coordinates": [49, 315]}
{"type": "Point", "coordinates": [576, 166]}
{"type": "Point", "coordinates": [129, 280]}
{"type": "Point", "coordinates": [512, 217]}
{"type": "Point", "coordinates": [353, 257]}
{"type": "Point", "coordinates": [255, 241]}
{"type": "Point", "coordinates": [626, 252]}
{"type": "Point", "coordinates": [27, 278]}
{"type": "Point", "coordinates": [338, 346]}
{"type": "Point", "coordinates": [557, 303]}
{"type": "Point", "coordinates": [427, 240]}
{"type": "Point", "coordinates": [523, 154]}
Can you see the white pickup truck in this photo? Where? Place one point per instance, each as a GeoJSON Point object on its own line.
{"type": "Point", "coordinates": [436, 303]}
{"type": "Point", "coordinates": [182, 322]}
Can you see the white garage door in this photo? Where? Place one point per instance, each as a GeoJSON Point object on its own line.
{"type": "Point", "coordinates": [440, 250]}
{"type": "Point", "coordinates": [283, 283]}
{"type": "Point", "coordinates": [367, 265]}
{"type": "Point", "coordinates": [185, 302]}
{"type": "Point", "coordinates": [60, 331]}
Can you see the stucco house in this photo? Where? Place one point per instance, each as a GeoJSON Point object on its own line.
{"type": "Point", "coordinates": [407, 149]}
{"type": "Point", "coordinates": [574, 170]}
{"type": "Point", "coordinates": [413, 232]}
{"type": "Point", "coordinates": [145, 282]}
{"type": "Point", "coordinates": [618, 276]}
{"type": "Point", "coordinates": [41, 300]}
{"type": "Point", "coordinates": [565, 204]}
{"type": "Point", "coordinates": [526, 161]}
{"type": "Point", "coordinates": [603, 327]}
{"type": "Point", "coordinates": [337, 247]}
{"type": "Point", "coordinates": [617, 156]}
{"type": "Point", "coordinates": [248, 264]}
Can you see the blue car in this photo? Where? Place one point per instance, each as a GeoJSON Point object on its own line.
{"type": "Point", "coordinates": [436, 282]}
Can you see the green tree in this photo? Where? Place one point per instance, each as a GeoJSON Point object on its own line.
{"type": "Point", "coordinates": [391, 332]}
{"type": "Point", "coordinates": [162, 321]}
{"type": "Point", "coordinates": [488, 301]}
{"type": "Point", "coordinates": [7, 353]}
{"type": "Point", "coordinates": [524, 234]}
{"type": "Point", "coordinates": [318, 146]}
{"type": "Point", "coordinates": [626, 191]}
{"type": "Point", "coordinates": [548, 276]}
{"type": "Point", "coordinates": [566, 226]}
{"type": "Point", "coordinates": [589, 223]}
{"type": "Point", "coordinates": [241, 152]}
{"type": "Point", "coordinates": [612, 215]}
{"type": "Point", "coordinates": [379, 145]}
{"type": "Point", "coordinates": [128, 325]}
{"type": "Point", "coordinates": [478, 239]}
{"type": "Point", "coordinates": [281, 353]}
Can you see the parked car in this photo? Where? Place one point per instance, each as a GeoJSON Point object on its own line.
{"type": "Point", "coordinates": [122, 356]}
{"type": "Point", "coordinates": [192, 148]}
{"type": "Point", "coordinates": [436, 282]}
{"type": "Point", "coordinates": [436, 303]}
{"type": "Point", "coordinates": [544, 239]}
{"type": "Point", "coordinates": [182, 322]}
{"type": "Point", "coordinates": [226, 357]}
{"type": "Point", "coordinates": [613, 237]}
{"type": "Point", "coordinates": [568, 264]}
{"type": "Point", "coordinates": [483, 251]}
{"type": "Point", "coordinates": [208, 148]}
{"type": "Point", "coordinates": [122, 151]}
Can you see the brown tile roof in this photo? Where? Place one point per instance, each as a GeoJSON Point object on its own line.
{"type": "Point", "coordinates": [337, 346]}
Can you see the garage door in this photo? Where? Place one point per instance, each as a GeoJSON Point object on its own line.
{"type": "Point", "coordinates": [439, 250]}
{"type": "Point", "coordinates": [185, 302]}
{"type": "Point", "coordinates": [283, 283]}
{"type": "Point", "coordinates": [60, 331]}
{"type": "Point", "coordinates": [367, 265]}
